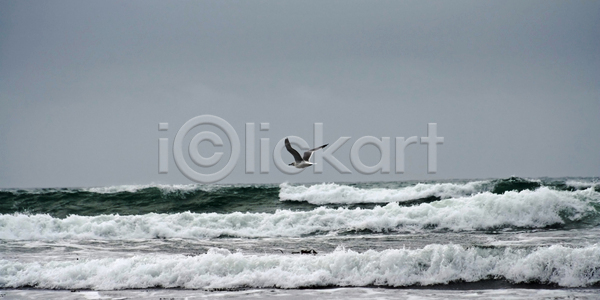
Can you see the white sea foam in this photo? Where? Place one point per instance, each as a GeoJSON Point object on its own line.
{"type": "Point", "coordinates": [166, 188]}
{"type": "Point", "coordinates": [338, 293]}
{"type": "Point", "coordinates": [219, 268]}
{"type": "Point", "coordinates": [581, 184]}
{"type": "Point", "coordinates": [343, 194]}
{"type": "Point", "coordinates": [484, 211]}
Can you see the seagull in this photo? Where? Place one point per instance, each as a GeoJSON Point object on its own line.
{"type": "Point", "coordinates": [301, 162]}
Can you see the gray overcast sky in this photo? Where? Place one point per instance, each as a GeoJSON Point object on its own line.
{"type": "Point", "coordinates": [514, 86]}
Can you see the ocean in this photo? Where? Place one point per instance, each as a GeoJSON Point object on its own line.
{"type": "Point", "coordinates": [511, 238]}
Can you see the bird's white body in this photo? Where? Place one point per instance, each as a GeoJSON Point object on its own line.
{"type": "Point", "coordinates": [302, 164]}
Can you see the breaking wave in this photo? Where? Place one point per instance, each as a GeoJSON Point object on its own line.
{"type": "Point", "coordinates": [343, 194]}
{"type": "Point", "coordinates": [197, 198]}
{"type": "Point", "coordinates": [221, 269]}
{"type": "Point", "coordinates": [540, 208]}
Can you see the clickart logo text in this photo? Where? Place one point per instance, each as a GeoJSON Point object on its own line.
{"type": "Point", "coordinates": [181, 144]}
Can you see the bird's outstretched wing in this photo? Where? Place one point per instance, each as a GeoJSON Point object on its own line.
{"type": "Point", "coordinates": [309, 153]}
{"type": "Point", "coordinates": [291, 150]}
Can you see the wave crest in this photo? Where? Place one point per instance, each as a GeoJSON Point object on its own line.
{"type": "Point", "coordinates": [331, 193]}
{"type": "Point", "coordinates": [485, 211]}
{"type": "Point", "coordinates": [221, 269]}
